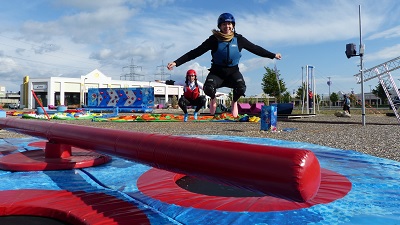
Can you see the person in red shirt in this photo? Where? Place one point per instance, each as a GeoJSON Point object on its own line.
{"type": "Point", "coordinates": [310, 99]}
{"type": "Point", "coordinates": [191, 95]}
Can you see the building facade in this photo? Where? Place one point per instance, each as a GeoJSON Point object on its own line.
{"type": "Point", "coordinates": [72, 92]}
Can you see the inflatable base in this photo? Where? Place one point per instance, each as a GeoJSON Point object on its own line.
{"type": "Point", "coordinates": [113, 193]}
{"type": "Point", "coordinates": [37, 160]}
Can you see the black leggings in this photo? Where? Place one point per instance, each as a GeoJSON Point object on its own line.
{"type": "Point", "coordinates": [346, 108]}
{"type": "Point", "coordinates": [198, 103]}
{"type": "Point", "coordinates": [233, 80]}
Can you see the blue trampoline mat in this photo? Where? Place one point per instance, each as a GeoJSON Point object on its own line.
{"type": "Point", "coordinates": [373, 199]}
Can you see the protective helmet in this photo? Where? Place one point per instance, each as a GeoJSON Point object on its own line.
{"type": "Point", "coordinates": [191, 72]}
{"type": "Point", "coordinates": [226, 17]}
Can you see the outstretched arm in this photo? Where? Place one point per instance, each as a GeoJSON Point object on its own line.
{"type": "Point", "coordinates": [171, 65]}
{"type": "Point", "coordinates": [194, 53]}
{"type": "Point", "coordinates": [257, 50]}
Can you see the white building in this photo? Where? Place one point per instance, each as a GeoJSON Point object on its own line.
{"type": "Point", "coordinates": [73, 91]}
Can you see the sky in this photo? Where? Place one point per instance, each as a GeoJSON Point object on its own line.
{"type": "Point", "coordinates": [71, 38]}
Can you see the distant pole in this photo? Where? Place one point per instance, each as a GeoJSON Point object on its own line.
{"type": "Point", "coordinates": [329, 87]}
{"type": "Point", "coordinates": [370, 95]}
{"type": "Point", "coordinates": [302, 88]}
{"type": "Point", "coordinates": [361, 70]}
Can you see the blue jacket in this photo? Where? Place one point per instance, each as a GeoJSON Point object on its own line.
{"type": "Point", "coordinates": [212, 44]}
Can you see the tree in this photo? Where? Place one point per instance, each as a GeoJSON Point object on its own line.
{"type": "Point", "coordinates": [353, 99]}
{"type": "Point", "coordinates": [299, 93]}
{"type": "Point", "coordinates": [174, 102]}
{"type": "Point", "coordinates": [317, 98]}
{"type": "Point", "coordinates": [270, 84]}
{"type": "Point", "coordinates": [229, 100]}
{"type": "Point", "coordinates": [265, 99]}
{"type": "Point", "coordinates": [334, 97]}
{"type": "Point", "coordinates": [380, 92]}
{"type": "Point", "coordinates": [286, 97]}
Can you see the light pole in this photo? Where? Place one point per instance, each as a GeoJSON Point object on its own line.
{"type": "Point", "coordinates": [323, 102]}
{"type": "Point", "coordinates": [361, 53]}
{"type": "Point", "coordinates": [84, 90]}
{"type": "Point", "coordinates": [370, 95]}
{"type": "Point", "coordinates": [329, 82]}
{"type": "Point", "coordinates": [350, 52]}
{"type": "Point", "coordinates": [294, 96]}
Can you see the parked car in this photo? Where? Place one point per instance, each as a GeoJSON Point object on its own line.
{"type": "Point", "coordinates": [13, 106]}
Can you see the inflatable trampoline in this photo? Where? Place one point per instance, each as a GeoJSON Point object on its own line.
{"type": "Point", "coordinates": [354, 189]}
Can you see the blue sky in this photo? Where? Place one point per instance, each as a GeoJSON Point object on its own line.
{"type": "Point", "coordinates": [70, 38]}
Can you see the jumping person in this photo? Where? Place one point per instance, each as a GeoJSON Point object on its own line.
{"type": "Point", "coordinates": [226, 46]}
{"type": "Point", "coordinates": [191, 95]}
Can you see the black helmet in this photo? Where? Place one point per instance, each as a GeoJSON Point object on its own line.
{"type": "Point", "coordinates": [226, 17]}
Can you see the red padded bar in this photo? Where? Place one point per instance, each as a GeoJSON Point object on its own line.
{"type": "Point", "coordinates": [288, 173]}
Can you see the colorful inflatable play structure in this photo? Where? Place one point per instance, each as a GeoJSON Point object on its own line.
{"type": "Point", "coordinates": [167, 117]}
{"type": "Point", "coordinates": [66, 115]}
{"type": "Point", "coordinates": [126, 99]}
{"type": "Point", "coordinates": [136, 117]}
{"type": "Point", "coordinates": [255, 108]}
{"type": "Point", "coordinates": [87, 175]}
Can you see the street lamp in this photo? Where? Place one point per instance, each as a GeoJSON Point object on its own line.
{"type": "Point", "coordinates": [350, 52]}
{"type": "Point", "coordinates": [329, 86]}
{"type": "Point", "coordinates": [370, 95]}
{"type": "Point", "coordinates": [83, 92]}
{"type": "Point", "coordinates": [322, 99]}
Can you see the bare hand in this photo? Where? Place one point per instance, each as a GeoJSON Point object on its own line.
{"type": "Point", "coordinates": [278, 56]}
{"type": "Point", "coordinates": [171, 65]}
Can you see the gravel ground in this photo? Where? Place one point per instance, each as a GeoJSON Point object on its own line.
{"type": "Point", "coordinates": [380, 137]}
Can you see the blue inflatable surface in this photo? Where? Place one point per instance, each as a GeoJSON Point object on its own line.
{"type": "Point", "coordinates": [373, 199]}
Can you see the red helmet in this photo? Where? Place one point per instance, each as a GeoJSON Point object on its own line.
{"type": "Point", "coordinates": [191, 72]}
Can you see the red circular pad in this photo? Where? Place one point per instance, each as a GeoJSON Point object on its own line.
{"type": "Point", "coordinates": [161, 185]}
{"type": "Point", "coordinates": [36, 161]}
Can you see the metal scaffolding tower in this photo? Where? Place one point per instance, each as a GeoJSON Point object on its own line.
{"type": "Point", "coordinates": [385, 67]}
{"type": "Point", "coordinates": [382, 71]}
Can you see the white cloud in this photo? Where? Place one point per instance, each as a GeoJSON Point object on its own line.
{"type": "Point", "coordinates": [7, 65]}
{"type": "Point", "coordinates": [307, 22]}
{"type": "Point", "coordinates": [384, 54]}
{"type": "Point", "coordinates": [390, 33]}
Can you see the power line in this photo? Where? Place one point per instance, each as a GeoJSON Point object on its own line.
{"type": "Point", "coordinates": [132, 75]}
{"type": "Point", "coordinates": [162, 74]}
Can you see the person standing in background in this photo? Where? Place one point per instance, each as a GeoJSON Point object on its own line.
{"type": "Point", "coordinates": [346, 104]}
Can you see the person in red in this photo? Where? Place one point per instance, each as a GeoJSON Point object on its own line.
{"type": "Point", "coordinates": [191, 95]}
{"type": "Point", "coordinates": [310, 99]}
